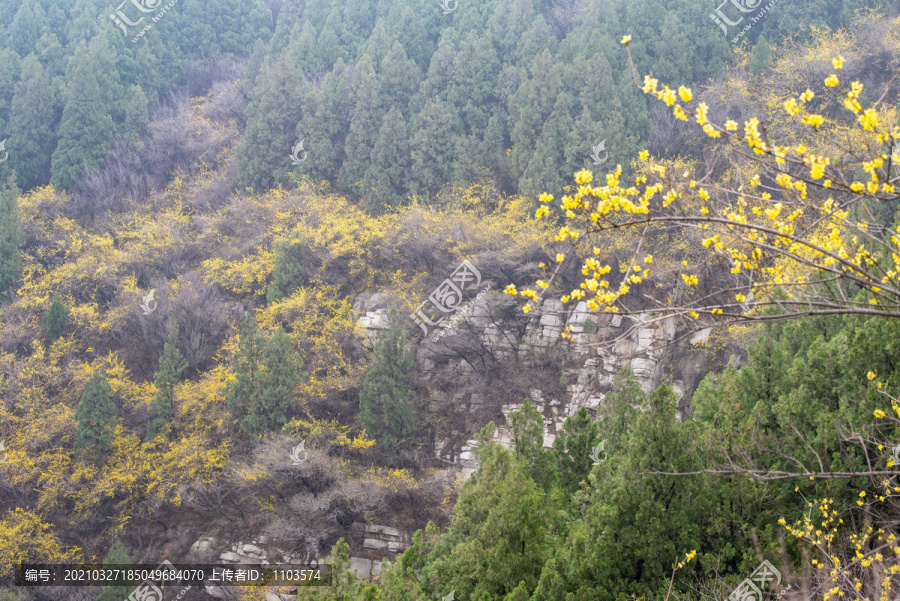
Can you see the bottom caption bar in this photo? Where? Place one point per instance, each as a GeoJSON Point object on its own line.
{"type": "Point", "coordinates": [168, 574]}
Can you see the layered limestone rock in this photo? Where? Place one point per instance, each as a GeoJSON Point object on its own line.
{"type": "Point", "coordinates": [602, 344]}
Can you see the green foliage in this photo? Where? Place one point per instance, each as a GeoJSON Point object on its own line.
{"type": "Point", "coordinates": [573, 446]}
{"type": "Point", "coordinates": [266, 371]}
{"type": "Point", "coordinates": [387, 400]}
{"type": "Point", "coordinates": [86, 131]}
{"type": "Point", "coordinates": [11, 237]}
{"type": "Point", "coordinates": [289, 272]}
{"type": "Point", "coordinates": [171, 365]}
{"type": "Point", "coordinates": [96, 416]}
{"type": "Point", "coordinates": [761, 55]}
{"type": "Point", "coordinates": [118, 555]}
{"type": "Point", "coordinates": [56, 318]}
{"type": "Point", "coordinates": [498, 537]}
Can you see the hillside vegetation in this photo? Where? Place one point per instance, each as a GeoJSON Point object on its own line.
{"type": "Point", "coordinates": [181, 301]}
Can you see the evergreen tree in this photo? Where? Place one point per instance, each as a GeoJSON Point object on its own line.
{"type": "Point", "coordinates": [387, 400]}
{"type": "Point", "coordinates": [759, 58]}
{"type": "Point", "coordinates": [526, 429]}
{"type": "Point", "coordinates": [263, 153]}
{"type": "Point", "coordinates": [326, 121]}
{"type": "Point", "coordinates": [573, 448]}
{"type": "Point", "coordinates": [96, 416]}
{"type": "Point", "coordinates": [171, 365]}
{"type": "Point", "coordinates": [243, 390]}
{"type": "Point", "coordinates": [56, 318]}
{"type": "Point", "coordinates": [11, 236]}
{"type": "Point", "coordinates": [498, 539]}
{"type": "Point", "coordinates": [277, 380]}
{"type": "Point", "coordinates": [25, 29]}
{"type": "Point", "coordinates": [364, 123]}
{"type": "Point", "coordinates": [118, 556]}
{"type": "Point", "coordinates": [10, 72]}
{"type": "Point", "coordinates": [31, 132]}
{"type": "Point", "coordinates": [289, 272]}
{"type": "Point", "coordinates": [266, 373]}
{"type": "Point", "coordinates": [86, 131]}
{"type": "Point", "coordinates": [433, 146]}
{"type": "Point", "coordinates": [399, 79]}
{"type": "Point", "coordinates": [384, 184]}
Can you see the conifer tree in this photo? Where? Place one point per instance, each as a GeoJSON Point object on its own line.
{"type": "Point", "coordinates": [96, 416]}
{"type": "Point", "coordinates": [171, 365]}
{"type": "Point", "coordinates": [86, 131]}
{"type": "Point", "coordinates": [289, 272]}
{"type": "Point", "coordinates": [264, 152]}
{"type": "Point", "coordinates": [573, 449]}
{"type": "Point", "coordinates": [364, 123]}
{"type": "Point", "coordinates": [118, 555]}
{"type": "Point", "coordinates": [244, 389]}
{"type": "Point", "coordinates": [266, 372]}
{"type": "Point", "coordinates": [31, 133]}
{"type": "Point", "coordinates": [386, 401]}
{"type": "Point", "coordinates": [10, 234]}
{"type": "Point", "coordinates": [277, 381]}
{"type": "Point", "coordinates": [759, 58]}
{"type": "Point", "coordinates": [56, 318]}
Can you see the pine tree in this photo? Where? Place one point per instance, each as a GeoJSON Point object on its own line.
{"type": "Point", "coordinates": [277, 380]}
{"type": "Point", "coordinates": [573, 449]}
{"type": "Point", "coordinates": [386, 401]}
{"type": "Point", "coordinates": [31, 131]}
{"type": "Point", "coordinates": [266, 373]}
{"type": "Point", "coordinates": [86, 131]}
{"type": "Point", "coordinates": [289, 272]}
{"type": "Point", "coordinates": [263, 153]}
{"type": "Point", "coordinates": [10, 73]}
{"type": "Point", "coordinates": [118, 556]}
{"type": "Point", "coordinates": [171, 365]}
{"type": "Point", "coordinates": [56, 318]}
{"type": "Point", "coordinates": [433, 146]}
{"type": "Point", "coordinates": [759, 58]}
{"type": "Point", "coordinates": [364, 123]}
{"type": "Point", "coordinates": [96, 416]}
{"type": "Point", "coordinates": [526, 429]}
{"type": "Point", "coordinates": [399, 77]}
{"type": "Point", "coordinates": [10, 234]}
{"type": "Point", "coordinates": [243, 391]}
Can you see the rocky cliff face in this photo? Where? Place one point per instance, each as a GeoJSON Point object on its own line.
{"type": "Point", "coordinates": [483, 367]}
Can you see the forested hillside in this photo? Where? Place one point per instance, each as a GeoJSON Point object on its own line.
{"type": "Point", "coordinates": [671, 336]}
